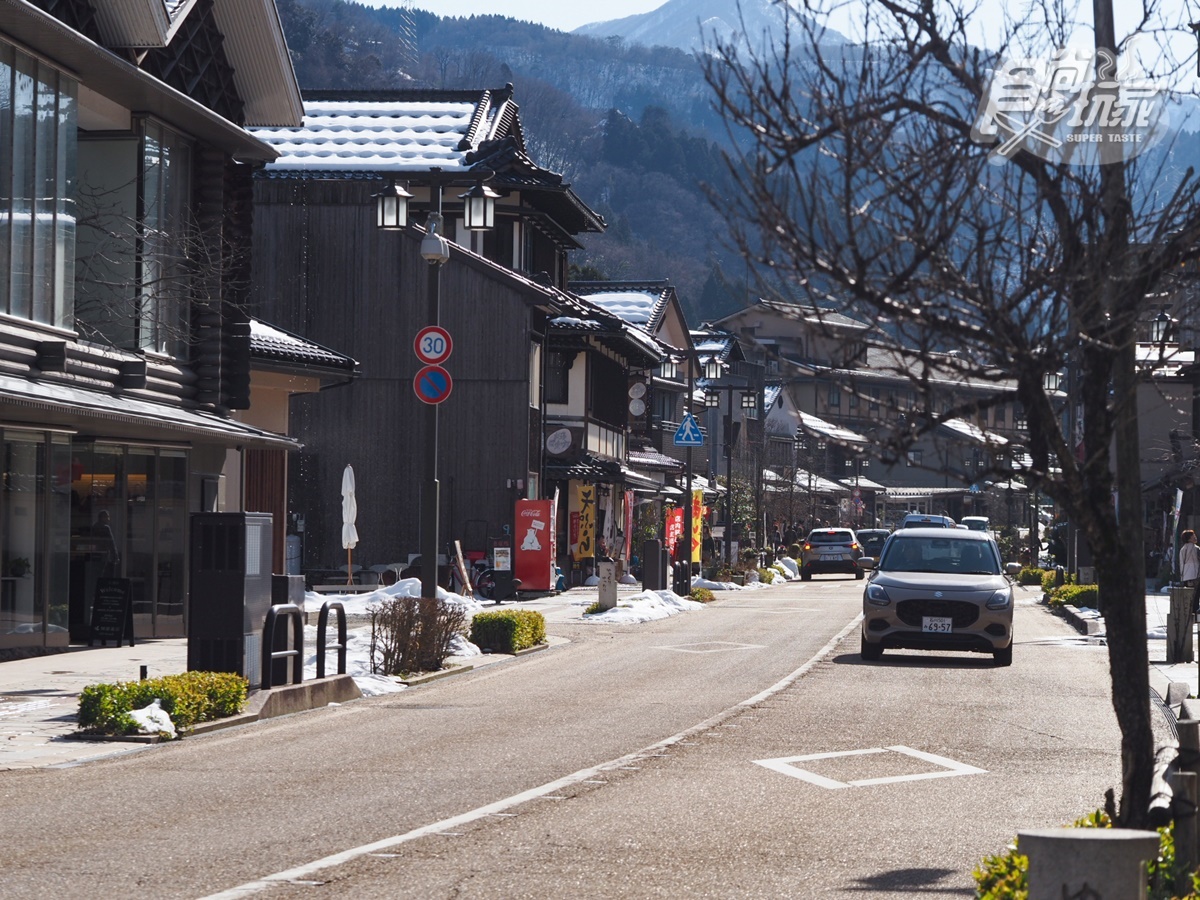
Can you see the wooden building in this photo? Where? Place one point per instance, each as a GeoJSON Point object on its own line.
{"type": "Point", "coordinates": [323, 270]}
{"type": "Point", "coordinates": [125, 187]}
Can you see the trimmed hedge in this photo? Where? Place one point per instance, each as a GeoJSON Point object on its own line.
{"type": "Point", "coordinates": [1076, 595]}
{"type": "Point", "coordinates": [187, 698]}
{"type": "Point", "coordinates": [508, 630]}
{"type": "Point", "coordinates": [1030, 575]}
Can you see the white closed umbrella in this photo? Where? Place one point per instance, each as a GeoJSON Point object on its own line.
{"type": "Point", "coordinates": [349, 514]}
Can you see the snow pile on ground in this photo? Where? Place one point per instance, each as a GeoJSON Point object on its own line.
{"type": "Point", "coordinates": [644, 607]}
{"type": "Point", "coordinates": [791, 565]}
{"type": "Point", "coordinates": [358, 640]}
{"type": "Point", "coordinates": [715, 585]}
{"type": "Point", "coordinates": [153, 719]}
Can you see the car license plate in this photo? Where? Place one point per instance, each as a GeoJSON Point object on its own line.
{"type": "Point", "coordinates": [938, 624]}
{"type": "Point", "coordinates": [831, 556]}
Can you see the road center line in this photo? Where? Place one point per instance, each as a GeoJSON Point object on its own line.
{"type": "Point", "coordinates": [550, 787]}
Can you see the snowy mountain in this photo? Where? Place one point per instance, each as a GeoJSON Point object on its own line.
{"type": "Point", "coordinates": [688, 24]}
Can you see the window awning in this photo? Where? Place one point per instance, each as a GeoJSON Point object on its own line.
{"type": "Point", "coordinates": [120, 416]}
{"type": "Point", "coordinates": [811, 424]}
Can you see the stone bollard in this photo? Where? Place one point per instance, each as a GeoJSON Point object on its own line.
{"type": "Point", "coordinates": [606, 569]}
{"type": "Point", "coordinates": [1097, 863]}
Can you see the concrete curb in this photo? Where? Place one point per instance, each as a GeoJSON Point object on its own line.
{"type": "Point", "coordinates": [462, 668]}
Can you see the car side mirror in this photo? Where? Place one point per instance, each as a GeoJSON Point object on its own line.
{"type": "Point", "coordinates": [1012, 569]}
{"type": "Point", "coordinates": [866, 562]}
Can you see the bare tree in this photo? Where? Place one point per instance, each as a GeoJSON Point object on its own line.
{"type": "Point", "coordinates": [991, 242]}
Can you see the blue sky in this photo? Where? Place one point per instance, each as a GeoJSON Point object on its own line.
{"type": "Point", "coordinates": [553, 13]}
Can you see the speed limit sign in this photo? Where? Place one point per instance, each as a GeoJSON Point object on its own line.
{"type": "Point", "coordinates": [433, 345]}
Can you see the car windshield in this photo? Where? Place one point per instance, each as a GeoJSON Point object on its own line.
{"type": "Point", "coordinates": [942, 555]}
{"type": "Point", "coordinates": [831, 537]}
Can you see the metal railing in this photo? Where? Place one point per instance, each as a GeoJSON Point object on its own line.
{"type": "Point", "coordinates": [340, 646]}
{"type": "Point", "coordinates": [270, 654]}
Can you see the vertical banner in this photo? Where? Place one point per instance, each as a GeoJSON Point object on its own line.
{"type": "Point", "coordinates": [583, 505]}
{"type": "Point", "coordinates": [535, 544]}
{"type": "Point", "coordinates": [697, 523]}
{"type": "Point", "coordinates": [674, 529]}
{"type": "Point", "coordinates": [628, 525]}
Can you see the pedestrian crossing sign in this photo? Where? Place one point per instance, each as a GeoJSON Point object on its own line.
{"type": "Point", "coordinates": [689, 434]}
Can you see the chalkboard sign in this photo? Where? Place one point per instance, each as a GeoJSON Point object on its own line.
{"type": "Point", "coordinates": [112, 612]}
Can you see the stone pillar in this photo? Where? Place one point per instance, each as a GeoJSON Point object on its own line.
{"type": "Point", "coordinates": [1096, 863]}
{"type": "Point", "coordinates": [607, 571]}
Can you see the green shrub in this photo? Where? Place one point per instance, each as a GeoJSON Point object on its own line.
{"type": "Point", "coordinates": [1030, 575]}
{"type": "Point", "coordinates": [700, 595]}
{"type": "Point", "coordinates": [508, 630]}
{"type": "Point", "coordinates": [1006, 876]}
{"type": "Point", "coordinates": [1076, 595]}
{"type": "Point", "coordinates": [1049, 576]}
{"type": "Point", "coordinates": [766, 575]}
{"type": "Point", "coordinates": [187, 698]}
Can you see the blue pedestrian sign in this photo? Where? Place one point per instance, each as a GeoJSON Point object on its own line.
{"type": "Point", "coordinates": [689, 434]}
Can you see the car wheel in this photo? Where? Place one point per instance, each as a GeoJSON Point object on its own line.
{"type": "Point", "coordinates": [858, 575]}
{"type": "Point", "coordinates": [806, 576]}
{"type": "Point", "coordinates": [869, 651]}
{"type": "Point", "coordinates": [1003, 657]}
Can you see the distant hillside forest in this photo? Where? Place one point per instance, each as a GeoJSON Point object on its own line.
{"type": "Point", "coordinates": [631, 128]}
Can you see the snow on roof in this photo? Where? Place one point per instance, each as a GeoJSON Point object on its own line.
{"type": "Point", "coordinates": [817, 425]}
{"type": "Point", "coordinates": [380, 136]}
{"type": "Point", "coordinates": [634, 307]}
{"type": "Point", "coordinates": [974, 432]}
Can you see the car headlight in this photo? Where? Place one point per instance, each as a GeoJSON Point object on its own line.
{"type": "Point", "coordinates": [1002, 599]}
{"type": "Point", "coordinates": [877, 596]}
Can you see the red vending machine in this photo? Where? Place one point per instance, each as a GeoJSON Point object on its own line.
{"type": "Point", "coordinates": [534, 544]}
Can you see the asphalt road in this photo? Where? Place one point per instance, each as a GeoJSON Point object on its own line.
{"type": "Point", "coordinates": [626, 763]}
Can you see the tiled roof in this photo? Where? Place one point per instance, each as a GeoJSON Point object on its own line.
{"type": "Point", "coordinates": [652, 458]}
{"type": "Point", "coordinates": [271, 344]}
{"type": "Point", "coordinates": [639, 303]}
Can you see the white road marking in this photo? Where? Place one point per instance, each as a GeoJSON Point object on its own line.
{"type": "Point", "coordinates": [582, 776]}
{"type": "Point", "coordinates": [713, 647]}
{"type": "Point", "coordinates": [785, 766]}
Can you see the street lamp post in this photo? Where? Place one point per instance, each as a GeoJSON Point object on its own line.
{"type": "Point", "coordinates": [713, 371]}
{"type": "Point", "coordinates": [391, 206]}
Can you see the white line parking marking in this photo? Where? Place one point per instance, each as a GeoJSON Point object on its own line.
{"type": "Point", "coordinates": [784, 766]}
{"type": "Point", "coordinates": [345, 856]}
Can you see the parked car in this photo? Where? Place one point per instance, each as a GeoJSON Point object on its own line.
{"type": "Point", "coordinates": [830, 550]}
{"type": "Point", "coordinates": [871, 540]}
{"type": "Point", "coordinates": [939, 589]}
{"type": "Point", "coordinates": [978, 523]}
{"type": "Point", "coordinates": [920, 520]}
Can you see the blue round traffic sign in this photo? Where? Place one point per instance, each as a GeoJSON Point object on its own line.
{"type": "Point", "coordinates": [432, 384]}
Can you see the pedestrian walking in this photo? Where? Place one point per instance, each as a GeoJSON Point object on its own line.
{"type": "Point", "coordinates": [1189, 563]}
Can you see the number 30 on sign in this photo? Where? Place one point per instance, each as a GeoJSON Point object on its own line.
{"type": "Point", "coordinates": [433, 345]}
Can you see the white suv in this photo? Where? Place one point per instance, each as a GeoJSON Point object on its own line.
{"type": "Point", "coordinates": [919, 520]}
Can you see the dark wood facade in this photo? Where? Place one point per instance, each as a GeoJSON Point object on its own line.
{"type": "Point", "coordinates": [323, 271]}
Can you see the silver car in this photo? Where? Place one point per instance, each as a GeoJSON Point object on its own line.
{"type": "Point", "coordinates": [938, 589]}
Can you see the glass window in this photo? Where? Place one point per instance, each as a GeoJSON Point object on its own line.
{"type": "Point", "coordinates": [914, 457]}
{"type": "Point", "coordinates": [835, 396]}
{"type": "Point", "coordinates": [21, 608]}
{"type": "Point", "coordinates": [37, 138]}
{"type": "Point", "coordinates": [136, 242]}
{"type": "Point", "coordinates": [558, 375]}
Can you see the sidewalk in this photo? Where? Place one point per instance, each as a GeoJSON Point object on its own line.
{"type": "Point", "coordinates": [39, 696]}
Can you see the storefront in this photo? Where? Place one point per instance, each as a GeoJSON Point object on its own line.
{"type": "Point", "coordinates": [78, 507]}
